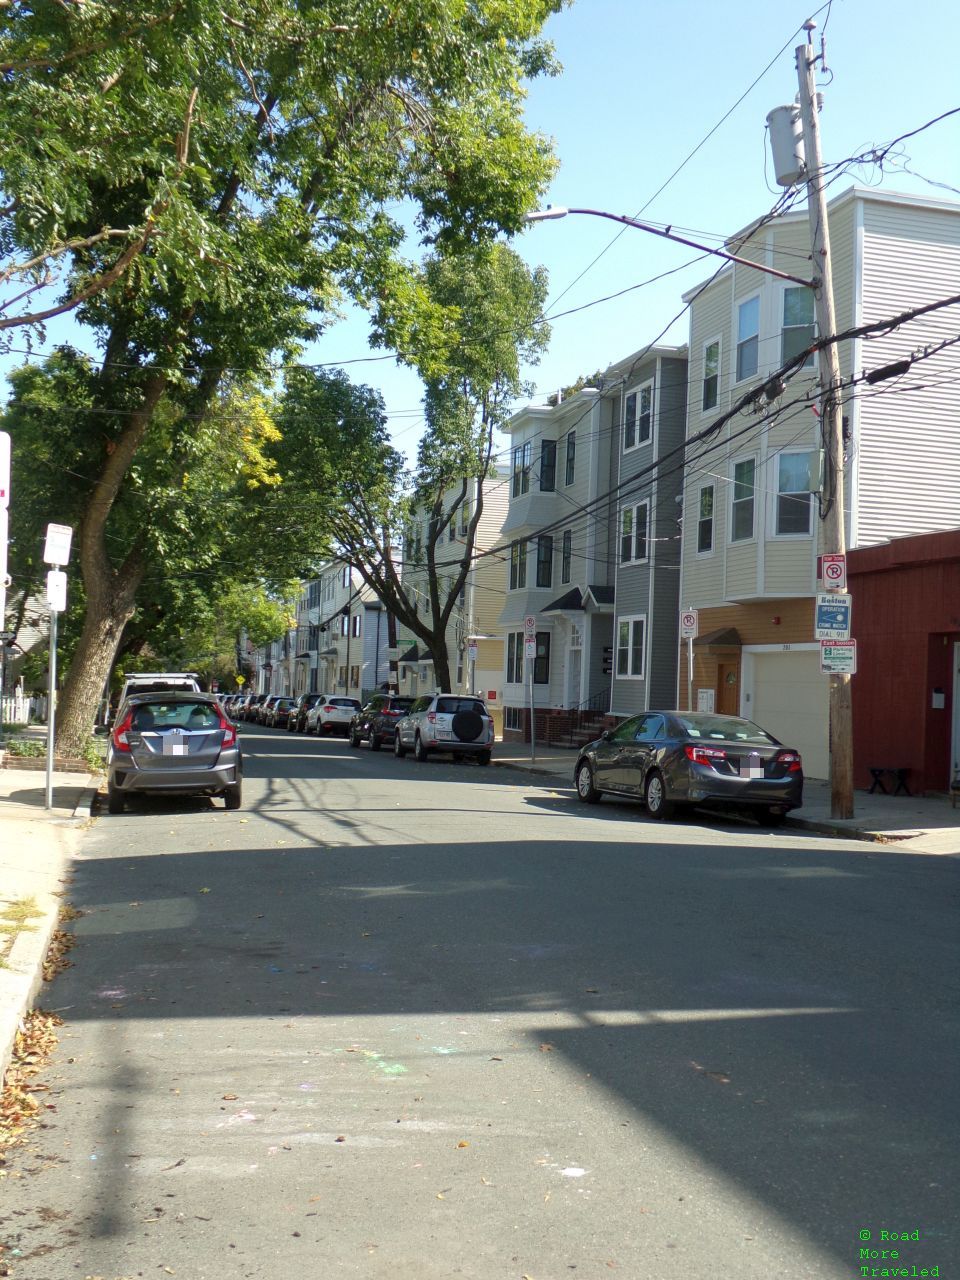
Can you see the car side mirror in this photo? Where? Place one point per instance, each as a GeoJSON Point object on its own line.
{"type": "Point", "coordinates": [101, 731]}
{"type": "Point", "coordinates": [606, 735]}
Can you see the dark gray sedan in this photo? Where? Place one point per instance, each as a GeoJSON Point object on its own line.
{"type": "Point", "coordinates": [178, 743]}
{"type": "Point", "coordinates": [676, 758]}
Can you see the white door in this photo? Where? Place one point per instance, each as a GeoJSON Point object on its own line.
{"type": "Point", "coordinates": [791, 700]}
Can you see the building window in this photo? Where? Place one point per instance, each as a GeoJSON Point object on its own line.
{"type": "Point", "coordinates": [518, 566]}
{"type": "Point", "coordinates": [354, 677]}
{"type": "Point", "coordinates": [631, 634]}
{"type": "Point", "coordinates": [744, 490]}
{"type": "Point", "coordinates": [356, 624]}
{"type": "Point", "coordinates": [566, 557]}
{"type": "Point", "coordinates": [452, 525]}
{"type": "Point", "coordinates": [748, 338]}
{"type": "Point", "coordinates": [464, 516]}
{"type": "Point", "coordinates": [711, 375]}
{"type": "Point", "coordinates": [513, 717]}
{"type": "Point", "coordinates": [344, 625]}
{"type": "Point", "coordinates": [634, 532]}
{"type": "Point", "coordinates": [705, 519]}
{"type": "Point", "coordinates": [638, 416]}
{"type": "Point", "coordinates": [515, 657]}
{"type": "Point", "coordinates": [571, 466]}
{"type": "Point", "coordinates": [521, 469]}
{"type": "Point", "coordinates": [548, 466]}
{"type": "Point", "coordinates": [545, 560]}
{"type": "Point", "coordinates": [799, 328]}
{"type": "Point", "coordinates": [345, 576]}
{"type": "Point", "coordinates": [794, 497]}
{"type": "Point", "coordinates": [541, 662]}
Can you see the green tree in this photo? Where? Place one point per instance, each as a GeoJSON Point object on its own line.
{"type": "Point", "coordinates": [486, 310]}
{"type": "Point", "coordinates": [252, 150]}
{"type": "Point", "coordinates": [196, 492]}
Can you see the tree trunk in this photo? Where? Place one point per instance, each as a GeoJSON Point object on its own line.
{"type": "Point", "coordinates": [106, 616]}
{"type": "Point", "coordinates": [441, 668]}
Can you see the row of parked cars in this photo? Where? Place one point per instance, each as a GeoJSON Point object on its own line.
{"type": "Point", "coordinates": [318, 713]}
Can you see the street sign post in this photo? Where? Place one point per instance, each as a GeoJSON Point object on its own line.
{"type": "Point", "coordinates": [838, 657]}
{"type": "Point", "coordinates": [56, 603]}
{"type": "Point", "coordinates": [689, 622]}
{"type": "Point", "coordinates": [833, 616]}
{"type": "Point", "coordinates": [833, 570]}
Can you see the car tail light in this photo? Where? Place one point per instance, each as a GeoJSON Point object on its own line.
{"type": "Point", "coordinates": [432, 717]}
{"type": "Point", "coordinates": [120, 742]}
{"type": "Point", "coordinates": [792, 760]}
{"type": "Point", "coordinates": [329, 707]}
{"type": "Point", "coordinates": [229, 732]}
{"type": "Point", "coordinates": [704, 755]}
{"type": "Point", "coordinates": [391, 711]}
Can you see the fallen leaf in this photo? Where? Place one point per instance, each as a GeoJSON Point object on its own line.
{"type": "Point", "coordinates": [463, 1144]}
{"type": "Point", "coordinates": [203, 891]}
{"type": "Point", "coordinates": [341, 1138]}
{"type": "Point", "coordinates": [244, 819]}
{"type": "Point", "coordinates": [546, 1048]}
{"type": "Point", "coordinates": [496, 1059]}
{"type": "Point", "coordinates": [720, 1076]}
{"type": "Point", "coordinates": [229, 1097]}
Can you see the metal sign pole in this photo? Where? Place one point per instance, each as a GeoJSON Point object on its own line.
{"type": "Point", "coordinates": [51, 713]}
{"type": "Point", "coordinates": [690, 706]}
{"type": "Point", "coordinates": [533, 718]}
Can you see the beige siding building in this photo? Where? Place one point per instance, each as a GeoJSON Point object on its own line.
{"type": "Point", "coordinates": [751, 527]}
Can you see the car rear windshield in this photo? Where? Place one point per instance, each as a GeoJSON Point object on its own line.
{"type": "Point", "coordinates": [401, 704]}
{"type": "Point", "coordinates": [724, 728]}
{"type": "Point", "coordinates": [175, 715]}
{"type": "Point", "coordinates": [343, 702]}
{"type": "Point", "coordinates": [450, 706]}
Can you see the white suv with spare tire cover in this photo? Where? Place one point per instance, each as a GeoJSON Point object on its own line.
{"type": "Point", "coordinates": [454, 723]}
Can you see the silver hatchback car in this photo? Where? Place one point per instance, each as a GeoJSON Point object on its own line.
{"type": "Point", "coordinates": [178, 743]}
{"type": "Point", "coordinates": [448, 722]}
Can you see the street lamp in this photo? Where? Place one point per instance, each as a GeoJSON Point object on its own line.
{"type": "Point", "coordinates": [558, 211]}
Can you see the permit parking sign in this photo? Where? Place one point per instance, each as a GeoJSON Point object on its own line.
{"type": "Point", "coordinates": [838, 657]}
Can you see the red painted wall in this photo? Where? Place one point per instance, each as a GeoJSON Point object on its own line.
{"type": "Point", "coordinates": [906, 617]}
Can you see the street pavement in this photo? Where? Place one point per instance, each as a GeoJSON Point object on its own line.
{"type": "Point", "coordinates": [401, 1020]}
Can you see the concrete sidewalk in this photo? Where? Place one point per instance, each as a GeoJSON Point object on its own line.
{"type": "Point", "coordinates": [916, 824]}
{"type": "Point", "coordinates": [36, 846]}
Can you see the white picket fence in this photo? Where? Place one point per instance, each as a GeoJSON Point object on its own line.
{"type": "Point", "coordinates": [17, 709]}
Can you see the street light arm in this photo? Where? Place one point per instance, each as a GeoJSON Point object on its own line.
{"type": "Point", "coordinates": [561, 212]}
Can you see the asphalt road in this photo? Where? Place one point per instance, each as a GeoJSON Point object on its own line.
{"type": "Point", "coordinates": [423, 1021]}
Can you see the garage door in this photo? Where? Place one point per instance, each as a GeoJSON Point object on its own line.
{"type": "Point", "coordinates": [791, 700]}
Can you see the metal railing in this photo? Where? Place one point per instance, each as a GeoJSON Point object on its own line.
{"type": "Point", "coordinates": [574, 726]}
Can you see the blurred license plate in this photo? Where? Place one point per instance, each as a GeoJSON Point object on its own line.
{"type": "Point", "coordinates": [174, 746]}
{"type": "Point", "coordinates": [444, 733]}
{"type": "Point", "coordinates": [751, 766]}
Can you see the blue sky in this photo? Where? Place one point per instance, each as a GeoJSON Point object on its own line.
{"type": "Point", "coordinates": [642, 87]}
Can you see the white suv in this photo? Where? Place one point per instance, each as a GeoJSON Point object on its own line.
{"type": "Point", "coordinates": [450, 722]}
{"type": "Point", "coordinates": [160, 682]}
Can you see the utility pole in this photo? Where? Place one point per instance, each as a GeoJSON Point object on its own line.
{"type": "Point", "coordinates": [831, 421]}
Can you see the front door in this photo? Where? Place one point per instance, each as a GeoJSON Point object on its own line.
{"type": "Point", "coordinates": [728, 688]}
{"type": "Point", "coordinates": [955, 740]}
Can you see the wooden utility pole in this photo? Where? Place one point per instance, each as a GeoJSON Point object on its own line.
{"type": "Point", "coordinates": [831, 420]}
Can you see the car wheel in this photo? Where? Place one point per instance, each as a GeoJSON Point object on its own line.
{"type": "Point", "coordinates": [116, 801]}
{"type": "Point", "coordinates": [774, 817]}
{"type": "Point", "coordinates": [586, 791]}
{"type": "Point", "coordinates": [483, 757]}
{"type": "Point", "coordinates": [655, 794]}
{"type": "Point", "coordinates": [354, 738]}
{"type": "Point", "coordinates": [419, 750]}
{"type": "Point", "coordinates": [233, 796]}
{"type": "Point", "coordinates": [399, 750]}
{"type": "Point", "coordinates": [376, 742]}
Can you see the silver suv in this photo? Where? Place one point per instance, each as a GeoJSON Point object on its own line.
{"type": "Point", "coordinates": [449, 722]}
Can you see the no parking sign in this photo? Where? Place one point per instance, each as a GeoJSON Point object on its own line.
{"type": "Point", "coordinates": [833, 570]}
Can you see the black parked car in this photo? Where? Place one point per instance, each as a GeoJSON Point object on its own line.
{"type": "Point", "coordinates": [674, 758]}
{"type": "Point", "coordinates": [377, 721]}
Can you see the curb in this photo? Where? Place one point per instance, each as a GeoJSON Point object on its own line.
{"type": "Point", "coordinates": [23, 979]}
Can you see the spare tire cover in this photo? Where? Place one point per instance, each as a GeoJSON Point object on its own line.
{"type": "Point", "coordinates": [467, 726]}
